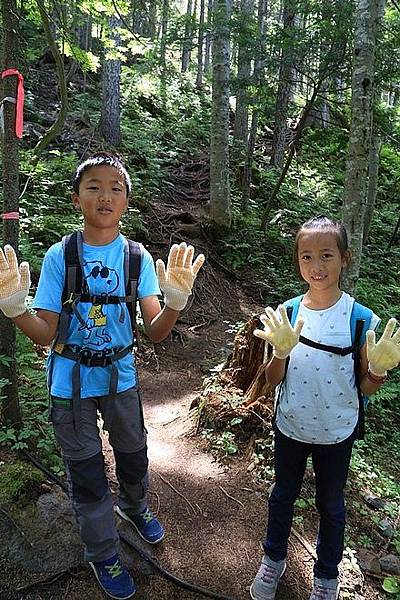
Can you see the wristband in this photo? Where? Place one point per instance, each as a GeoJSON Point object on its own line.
{"type": "Point", "coordinates": [376, 378]}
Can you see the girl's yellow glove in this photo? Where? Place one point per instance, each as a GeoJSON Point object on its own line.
{"type": "Point", "coordinates": [278, 331]}
{"type": "Point", "coordinates": [177, 280]}
{"type": "Point", "coordinates": [14, 283]}
{"type": "Point", "coordinates": [384, 355]}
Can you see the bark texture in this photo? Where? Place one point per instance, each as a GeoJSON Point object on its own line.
{"type": "Point", "coordinates": [10, 410]}
{"type": "Point", "coordinates": [220, 202]}
{"type": "Point", "coordinates": [110, 126]}
{"type": "Point", "coordinates": [354, 196]}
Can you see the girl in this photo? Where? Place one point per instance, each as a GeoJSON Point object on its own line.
{"type": "Point", "coordinates": [317, 408]}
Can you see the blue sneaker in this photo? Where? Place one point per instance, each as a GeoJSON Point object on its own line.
{"type": "Point", "coordinates": [147, 526]}
{"type": "Point", "coordinates": [114, 578]}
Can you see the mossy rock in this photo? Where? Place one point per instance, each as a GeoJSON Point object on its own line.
{"type": "Point", "coordinates": [19, 481]}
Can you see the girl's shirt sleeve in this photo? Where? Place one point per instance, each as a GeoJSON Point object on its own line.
{"type": "Point", "coordinates": [51, 281]}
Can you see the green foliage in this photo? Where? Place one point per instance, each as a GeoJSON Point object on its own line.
{"type": "Point", "coordinates": [35, 432]}
{"type": "Point", "coordinates": [391, 585]}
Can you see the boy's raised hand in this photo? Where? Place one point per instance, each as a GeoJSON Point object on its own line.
{"type": "Point", "coordinates": [279, 332]}
{"type": "Point", "coordinates": [177, 280]}
{"type": "Point", "coordinates": [14, 283]}
{"type": "Point", "coordinates": [384, 355]}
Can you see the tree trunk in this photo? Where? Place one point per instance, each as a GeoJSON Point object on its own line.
{"type": "Point", "coordinates": [257, 77]}
{"type": "Point", "coordinates": [207, 49]}
{"type": "Point", "coordinates": [164, 29]}
{"type": "Point", "coordinates": [220, 200]}
{"type": "Point", "coordinates": [241, 127]}
{"type": "Point", "coordinates": [110, 125]}
{"type": "Point", "coordinates": [373, 169]}
{"type": "Point", "coordinates": [199, 76]}
{"type": "Point", "coordinates": [187, 42]}
{"type": "Point", "coordinates": [283, 95]}
{"type": "Point", "coordinates": [57, 126]}
{"type": "Point", "coordinates": [11, 413]}
{"type": "Point", "coordinates": [152, 26]}
{"type": "Point", "coordinates": [354, 196]}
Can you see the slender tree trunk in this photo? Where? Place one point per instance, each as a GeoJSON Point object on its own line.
{"type": "Point", "coordinates": [164, 29]}
{"type": "Point", "coordinates": [152, 8]}
{"type": "Point", "coordinates": [241, 128]}
{"type": "Point", "coordinates": [57, 126]}
{"type": "Point", "coordinates": [354, 197]}
{"type": "Point", "coordinates": [199, 76]}
{"type": "Point", "coordinates": [10, 412]}
{"type": "Point", "coordinates": [187, 42]}
{"type": "Point", "coordinates": [283, 95]}
{"type": "Point", "coordinates": [220, 200]}
{"type": "Point", "coordinates": [292, 150]}
{"type": "Point", "coordinates": [373, 170]}
{"type": "Point", "coordinates": [110, 120]}
{"type": "Point", "coordinates": [207, 49]}
{"type": "Point", "coordinates": [257, 78]}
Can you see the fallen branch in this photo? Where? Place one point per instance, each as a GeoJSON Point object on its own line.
{"type": "Point", "coordinates": [178, 492]}
{"type": "Point", "coordinates": [16, 526]}
{"type": "Point", "coordinates": [304, 543]}
{"type": "Point", "coordinates": [231, 497]}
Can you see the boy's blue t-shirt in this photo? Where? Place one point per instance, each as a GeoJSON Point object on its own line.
{"type": "Point", "coordinates": [103, 269]}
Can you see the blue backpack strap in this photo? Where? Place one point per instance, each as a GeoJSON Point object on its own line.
{"type": "Point", "coordinates": [360, 313]}
{"type": "Point", "coordinates": [360, 322]}
{"type": "Point", "coordinates": [292, 308]}
{"type": "Point", "coordinates": [132, 265]}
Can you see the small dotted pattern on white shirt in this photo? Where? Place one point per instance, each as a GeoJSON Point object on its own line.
{"type": "Point", "coordinates": [318, 401]}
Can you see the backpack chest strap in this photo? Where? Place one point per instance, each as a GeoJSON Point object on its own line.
{"type": "Point", "coordinates": [327, 348]}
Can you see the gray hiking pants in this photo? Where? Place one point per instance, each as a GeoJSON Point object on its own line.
{"type": "Point", "coordinates": [82, 452]}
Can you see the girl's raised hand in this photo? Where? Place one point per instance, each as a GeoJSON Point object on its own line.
{"type": "Point", "coordinates": [385, 354]}
{"type": "Point", "coordinates": [176, 281]}
{"type": "Point", "coordinates": [278, 331]}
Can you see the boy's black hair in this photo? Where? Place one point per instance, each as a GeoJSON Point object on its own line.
{"type": "Point", "coordinates": [97, 160]}
{"type": "Point", "coordinates": [323, 223]}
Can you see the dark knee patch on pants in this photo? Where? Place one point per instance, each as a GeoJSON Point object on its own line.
{"type": "Point", "coordinates": [89, 483]}
{"type": "Point", "coordinates": [131, 466]}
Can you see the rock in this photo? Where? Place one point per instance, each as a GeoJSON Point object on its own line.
{"type": "Point", "coordinates": [368, 561]}
{"type": "Point", "coordinates": [374, 501]}
{"type": "Point", "coordinates": [386, 528]}
{"type": "Point", "coordinates": [390, 564]}
{"type": "Point", "coordinates": [51, 542]}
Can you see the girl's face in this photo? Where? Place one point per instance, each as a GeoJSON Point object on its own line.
{"type": "Point", "coordinates": [320, 260]}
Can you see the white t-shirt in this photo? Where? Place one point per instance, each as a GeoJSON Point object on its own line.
{"type": "Point", "coordinates": [318, 400]}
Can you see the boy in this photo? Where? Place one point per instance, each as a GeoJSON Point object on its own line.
{"type": "Point", "coordinates": [91, 366]}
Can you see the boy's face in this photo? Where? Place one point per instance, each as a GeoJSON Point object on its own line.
{"type": "Point", "coordinates": [102, 197]}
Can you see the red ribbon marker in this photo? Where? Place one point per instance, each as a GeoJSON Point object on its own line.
{"type": "Point", "coordinates": [11, 216]}
{"type": "Point", "coordinates": [19, 107]}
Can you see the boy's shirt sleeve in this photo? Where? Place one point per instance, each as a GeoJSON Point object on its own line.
{"type": "Point", "coordinates": [51, 281]}
{"type": "Point", "coordinates": [148, 282]}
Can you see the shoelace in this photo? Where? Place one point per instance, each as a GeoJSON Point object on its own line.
{"type": "Point", "coordinates": [269, 574]}
{"type": "Point", "coordinates": [321, 592]}
{"type": "Point", "coordinates": [114, 570]}
{"type": "Point", "coordinates": [147, 516]}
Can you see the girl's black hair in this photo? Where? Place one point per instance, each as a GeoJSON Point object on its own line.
{"type": "Point", "coordinates": [327, 225]}
{"type": "Point", "coordinates": [97, 160]}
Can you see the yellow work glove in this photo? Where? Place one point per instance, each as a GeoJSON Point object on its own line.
{"type": "Point", "coordinates": [278, 331]}
{"type": "Point", "coordinates": [177, 281]}
{"type": "Point", "coordinates": [14, 283]}
{"type": "Point", "coordinates": [384, 355]}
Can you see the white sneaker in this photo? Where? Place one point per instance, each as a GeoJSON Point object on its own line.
{"type": "Point", "coordinates": [325, 589]}
{"type": "Point", "coordinates": [267, 579]}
